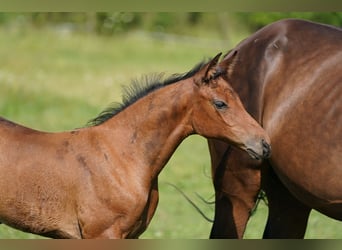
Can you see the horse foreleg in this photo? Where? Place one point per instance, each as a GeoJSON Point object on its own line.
{"type": "Point", "coordinates": [230, 219]}
{"type": "Point", "coordinates": [153, 202]}
{"type": "Point", "coordinates": [237, 184]}
{"type": "Point", "coordinates": [233, 207]}
{"type": "Point", "coordinates": [150, 209]}
{"type": "Point", "coordinates": [287, 217]}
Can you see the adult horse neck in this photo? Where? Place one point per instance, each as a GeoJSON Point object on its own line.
{"type": "Point", "coordinates": [290, 83]}
{"type": "Point", "coordinates": [101, 181]}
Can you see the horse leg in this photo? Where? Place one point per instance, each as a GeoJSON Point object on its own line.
{"type": "Point", "coordinates": [231, 216]}
{"type": "Point", "coordinates": [153, 202]}
{"type": "Point", "coordinates": [237, 184]}
{"type": "Point", "coordinates": [287, 217]}
{"type": "Point", "coordinates": [150, 209]}
{"type": "Point", "coordinates": [128, 224]}
{"type": "Point", "coordinates": [223, 225]}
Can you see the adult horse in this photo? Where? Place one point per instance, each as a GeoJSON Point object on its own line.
{"type": "Point", "coordinates": [289, 79]}
{"type": "Point", "coordinates": [101, 181]}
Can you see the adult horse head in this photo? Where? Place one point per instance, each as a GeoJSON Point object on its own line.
{"type": "Point", "coordinates": [291, 83]}
{"type": "Point", "coordinates": [102, 181]}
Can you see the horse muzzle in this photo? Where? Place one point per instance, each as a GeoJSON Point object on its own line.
{"type": "Point", "coordinates": [261, 151]}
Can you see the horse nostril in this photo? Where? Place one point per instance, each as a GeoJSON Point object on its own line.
{"type": "Point", "coordinates": [266, 149]}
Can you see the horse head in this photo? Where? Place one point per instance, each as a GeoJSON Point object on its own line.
{"type": "Point", "coordinates": [219, 113]}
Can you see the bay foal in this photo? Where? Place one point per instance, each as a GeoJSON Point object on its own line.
{"type": "Point", "coordinates": [101, 181]}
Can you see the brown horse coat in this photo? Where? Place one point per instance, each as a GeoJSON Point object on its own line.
{"type": "Point", "coordinates": [290, 81]}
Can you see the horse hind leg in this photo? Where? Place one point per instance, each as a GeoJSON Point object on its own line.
{"type": "Point", "coordinates": [287, 217]}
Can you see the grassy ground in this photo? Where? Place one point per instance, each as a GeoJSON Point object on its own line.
{"type": "Point", "coordinates": [57, 81]}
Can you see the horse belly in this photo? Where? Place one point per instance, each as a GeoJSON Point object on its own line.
{"type": "Point", "coordinates": [32, 199]}
{"type": "Point", "coordinates": [31, 209]}
{"type": "Point", "coordinates": [310, 167]}
{"type": "Point", "coordinates": [306, 135]}
{"type": "Point", "coordinates": [311, 174]}
{"type": "Point", "coordinates": [311, 182]}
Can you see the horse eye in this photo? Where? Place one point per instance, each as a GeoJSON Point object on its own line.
{"type": "Point", "coordinates": [220, 104]}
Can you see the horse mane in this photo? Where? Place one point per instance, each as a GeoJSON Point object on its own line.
{"type": "Point", "coordinates": [140, 88]}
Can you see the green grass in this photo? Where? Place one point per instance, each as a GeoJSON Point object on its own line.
{"type": "Point", "coordinates": [58, 82]}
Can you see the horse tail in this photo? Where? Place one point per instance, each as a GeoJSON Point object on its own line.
{"type": "Point", "coordinates": [191, 202]}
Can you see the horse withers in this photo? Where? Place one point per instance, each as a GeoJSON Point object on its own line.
{"type": "Point", "coordinates": [101, 181]}
{"type": "Point", "coordinates": [290, 81]}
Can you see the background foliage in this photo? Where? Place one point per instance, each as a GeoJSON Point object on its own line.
{"type": "Point", "coordinates": [111, 23]}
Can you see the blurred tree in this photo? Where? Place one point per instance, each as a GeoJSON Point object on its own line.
{"type": "Point", "coordinates": [194, 17]}
{"type": "Point", "coordinates": [257, 20]}
{"type": "Point", "coordinates": [115, 22]}
{"type": "Point", "coordinates": [190, 23]}
{"type": "Point", "coordinates": [48, 18]}
{"type": "Point", "coordinates": [5, 17]}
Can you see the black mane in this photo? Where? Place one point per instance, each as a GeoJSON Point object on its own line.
{"type": "Point", "coordinates": [139, 89]}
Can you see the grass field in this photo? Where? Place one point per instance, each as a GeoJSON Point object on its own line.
{"type": "Point", "coordinates": [54, 81]}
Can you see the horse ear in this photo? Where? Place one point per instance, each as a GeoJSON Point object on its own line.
{"type": "Point", "coordinates": [204, 75]}
{"type": "Point", "coordinates": [229, 62]}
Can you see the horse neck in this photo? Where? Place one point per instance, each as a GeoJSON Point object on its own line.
{"type": "Point", "coordinates": [151, 129]}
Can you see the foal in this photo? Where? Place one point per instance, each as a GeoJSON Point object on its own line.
{"type": "Point", "coordinates": [101, 181]}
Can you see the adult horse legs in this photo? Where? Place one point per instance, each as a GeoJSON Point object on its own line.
{"type": "Point", "coordinates": [287, 217]}
{"type": "Point", "coordinates": [231, 215]}
{"type": "Point", "coordinates": [236, 189]}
